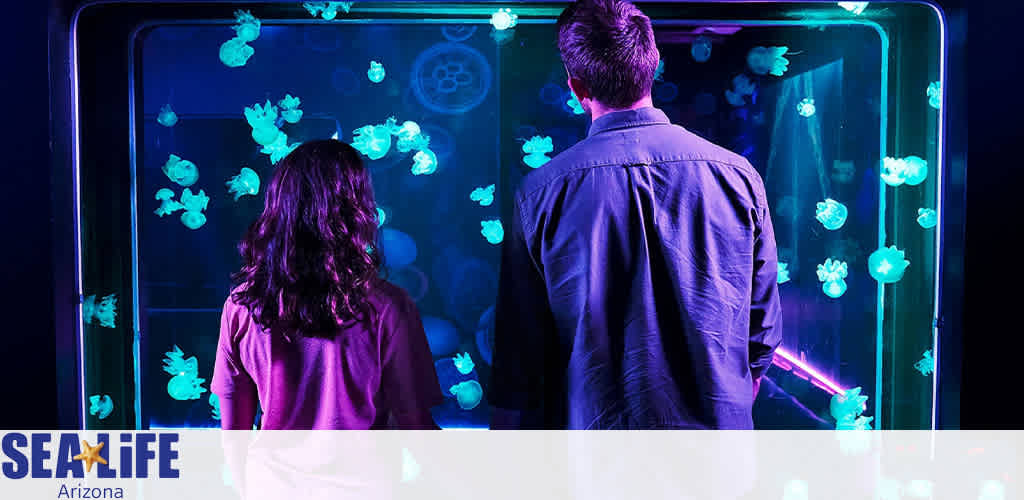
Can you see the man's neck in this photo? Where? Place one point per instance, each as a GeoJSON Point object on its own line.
{"type": "Point", "coordinates": [597, 110]}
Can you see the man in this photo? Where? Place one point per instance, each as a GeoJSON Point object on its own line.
{"type": "Point", "coordinates": [639, 269]}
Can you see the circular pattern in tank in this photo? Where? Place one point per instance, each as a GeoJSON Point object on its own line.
{"type": "Point", "coordinates": [458, 32]}
{"type": "Point", "coordinates": [451, 78]}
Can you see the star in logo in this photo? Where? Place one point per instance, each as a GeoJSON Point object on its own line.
{"type": "Point", "coordinates": [90, 455]}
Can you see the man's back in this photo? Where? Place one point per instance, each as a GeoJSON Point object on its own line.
{"type": "Point", "coordinates": [640, 270]}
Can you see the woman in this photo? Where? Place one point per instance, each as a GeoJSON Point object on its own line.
{"type": "Point", "coordinates": [311, 331]}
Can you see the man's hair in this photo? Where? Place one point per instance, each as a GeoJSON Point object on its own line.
{"type": "Point", "coordinates": [609, 45]}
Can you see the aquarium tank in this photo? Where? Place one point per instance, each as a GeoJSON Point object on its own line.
{"type": "Point", "coordinates": [182, 109]}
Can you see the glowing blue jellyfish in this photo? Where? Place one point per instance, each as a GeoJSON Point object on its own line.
{"type": "Point", "coordinates": [831, 214]}
{"type": "Point", "coordinates": [290, 108]}
{"type": "Point", "coordinates": [263, 120]}
{"type": "Point", "coordinates": [795, 489]}
{"type": "Point", "coordinates": [743, 85]}
{"type": "Point", "coordinates": [214, 401]}
{"type": "Point", "coordinates": [374, 141]}
{"type": "Point", "coordinates": [659, 71]}
{"type": "Point", "coordinates": [484, 196]}
{"type": "Point", "coordinates": [832, 274]}
{"type": "Point", "coordinates": [235, 52]}
{"type": "Point", "coordinates": [409, 135]}
{"type": "Point", "coordinates": [992, 490]}
{"type": "Point", "coordinates": [503, 19]}
{"type": "Point", "coordinates": [926, 365]}
{"type": "Point", "coordinates": [468, 394]}
{"type": "Point", "coordinates": [279, 148]}
{"type": "Point", "coordinates": [911, 170]}
{"type": "Point", "coordinates": [442, 336]}
{"type": "Point", "coordinates": [464, 363]}
{"type": "Point", "coordinates": [327, 10]}
{"type": "Point", "coordinates": [734, 98]}
{"type": "Point", "coordinates": [185, 383]}
{"type": "Point", "coordinates": [399, 248]}
{"type": "Point", "coordinates": [167, 204]}
{"type": "Point", "coordinates": [916, 170]}
{"type": "Point", "coordinates": [167, 117]}
{"type": "Point", "coordinates": [846, 408]}
{"type": "Point", "coordinates": [424, 162]}
{"type": "Point", "coordinates": [376, 72]}
{"type": "Point", "coordinates": [765, 60]}
{"type": "Point", "coordinates": [806, 107]}
{"type": "Point", "coordinates": [492, 230]}
{"type": "Point", "coordinates": [181, 172]}
{"type": "Point", "coordinates": [381, 217]}
{"type": "Point", "coordinates": [104, 313]}
{"type": "Point", "coordinates": [783, 273]}
{"type": "Point", "coordinates": [927, 218]}
{"type": "Point", "coordinates": [855, 7]}
{"type": "Point", "coordinates": [887, 265]}
{"type": "Point", "coordinates": [700, 49]}
{"type": "Point", "coordinates": [935, 95]}
{"type": "Point", "coordinates": [246, 182]}
{"type": "Point", "coordinates": [100, 406]}
{"type": "Point", "coordinates": [536, 150]}
{"type": "Point", "coordinates": [194, 205]}
{"type": "Point", "coordinates": [574, 104]}
{"type": "Point", "coordinates": [248, 27]}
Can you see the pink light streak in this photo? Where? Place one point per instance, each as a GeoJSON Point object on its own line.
{"type": "Point", "coordinates": [788, 361]}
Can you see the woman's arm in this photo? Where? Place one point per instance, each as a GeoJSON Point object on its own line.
{"type": "Point", "coordinates": [409, 383]}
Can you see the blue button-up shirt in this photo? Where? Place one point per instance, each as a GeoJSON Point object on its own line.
{"type": "Point", "coordinates": [638, 284]}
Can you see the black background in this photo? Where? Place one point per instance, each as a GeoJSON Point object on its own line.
{"type": "Point", "coordinates": [31, 292]}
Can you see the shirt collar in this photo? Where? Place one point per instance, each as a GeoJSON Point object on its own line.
{"type": "Point", "coordinates": [627, 119]}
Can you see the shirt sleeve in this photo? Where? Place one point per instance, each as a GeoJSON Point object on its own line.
{"type": "Point", "coordinates": [408, 380]}
{"type": "Point", "coordinates": [229, 376]}
{"type": "Point", "coordinates": [522, 324]}
{"type": "Point", "coordinates": [765, 305]}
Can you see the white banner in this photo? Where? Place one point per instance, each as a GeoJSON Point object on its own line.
{"type": "Point", "coordinates": [519, 465]}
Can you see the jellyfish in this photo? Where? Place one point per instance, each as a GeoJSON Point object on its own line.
{"type": "Point", "coordinates": [927, 218]}
{"type": "Point", "coordinates": [167, 204]}
{"type": "Point", "coordinates": [374, 141]}
{"type": "Point", "coordinates": [399, 248]}
{"type": "Point", "coordinates": [916, 170]}
{"type": "Point", "coordinates": [832, 274]}
{"type": "Point", "coordinates": [424, 162]}
{"type": "Point", "coordinates": [100, 406]}
{"type": "Point", "coordinates": [536, 149]}
{"type": "Point", "coordinates": [381, 217]}
{"type": "Point", "coordinates": [483, 195]}
{"type": "Point", "coordinates": [795, 489]}
{"type": "Point", "coordinates": [806, 107]}
{"type": "Point", "coordinates": [468, 394]}
{"type": "Point", "coordinates": [894, 171]}
{"type": "Point", "coordinates": [279, 148]}
{"type": "Point", "coordinates": [926, 365]}
{"type": "Point", "coordinates": [442, 337]}
{"type": "Point", "coordinates": [734, 98]}
{"type": "Point", "coordinates": [574, 104]}
{"type": "Point", "coordinates": [409, 136]}
{"type": "Point", "coordinates": [167, 117]}
{"type": "Point", "coordinates": [783, 273]}
{"type": "Point", "coordinates": [503, 19]}
{"type": "Point", "coordinates": [329, 10]}
{"type": "Point", "coordinates": [185, 383]}
{"type": "Point", "coordinates": [935, 95]}
{"type": "Point", "coordinates": [290, 108]}
{"type": "Point", "coordinates": [194, 202]}
{"type": "Point", "coordinates": [248, 27]}
{"type": "Point", "coordinates": [182, 172]}
{"type": "Point", "coordinates": [765, 60]}
{"type": "Point", "coordinates": [831, 214]}
{"type": "Point", "coordinates": [376, 72]}
{"type": "Point", "coordinates": [246, 182]}
{"type": "Point", "coordinates": [235, 52]}
{"type": "Point", "coordinates": [261, 116]}
{"type": "Point", "coordinates": [887, 265]}
{"type": "Point", "coordinates": [106, 311]}
{"type": "Point", "coordinates": [464, 363]}
{"type": "Point", "coordinates": [492, 230]}
{"type": "Point", "coordinates": [846, 407]}
{"type": "Point", "coordinates": [214, 401]}
{"type": "Point", "coordinates": [700, 49]}
{"type": "Point", "coordinates": [743, 85]}
{"type": "Point", "coordinates": [659, 71]}
{"type": "Point", "coordinates": [855, 7]}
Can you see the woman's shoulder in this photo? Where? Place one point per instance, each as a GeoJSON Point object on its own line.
{"type": "Point", "coordinates": [388, 296]}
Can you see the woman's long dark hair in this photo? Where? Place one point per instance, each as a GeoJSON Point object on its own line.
{"type": "Point", "coordinates": [310, 260]}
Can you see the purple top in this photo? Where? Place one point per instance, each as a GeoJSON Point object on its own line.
{"type": "Point", "coordinates": [348, 382]}
{"type": "Point", "coordinates": [638, 284]}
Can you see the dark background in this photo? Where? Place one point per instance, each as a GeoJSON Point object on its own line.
{"type": "Point", "coordinates": [33, 300]}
